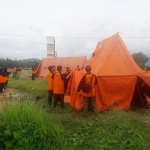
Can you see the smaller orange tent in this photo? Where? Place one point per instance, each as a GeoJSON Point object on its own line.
{"type": "Point", "coordinates": [71, 62]}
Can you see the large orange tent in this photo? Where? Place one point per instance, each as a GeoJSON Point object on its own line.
{"type": "Point", "coordinates": [117, 76]}
{"type": "Point", "coordinates": [72, 62]}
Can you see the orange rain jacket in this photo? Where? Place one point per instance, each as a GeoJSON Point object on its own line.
{"type": "Point", "coordinates": [6, 78]}
{"type": "Point", "coordinates": [86, 79]}
{"type": "Point", "coordinates": [33, 71]}
{"type": "Point", "coordinates": [77, 69]}
{"type": "Point", "coordinates": [58, 83]}
{"type": "Point", "coordinates": [14, 69]}
{"type": "Point", "coordinates": [50, 78]}
{"type": "Point", "coordinates": [2, 79]}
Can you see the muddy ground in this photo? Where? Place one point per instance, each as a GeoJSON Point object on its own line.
{"type": "Point", "coordinates": [10, 94]}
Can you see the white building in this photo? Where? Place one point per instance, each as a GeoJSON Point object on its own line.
{"type": "Point", "coordinates": [50, 47]}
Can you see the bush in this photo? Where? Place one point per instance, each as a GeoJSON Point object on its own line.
{"type": "Point", "coordinates": [23, 126]}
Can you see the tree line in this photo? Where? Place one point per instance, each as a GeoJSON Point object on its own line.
{"type": "Point", "coordinates": [9, 63]}
{"type": "Point", "coordinates": [140, 59]}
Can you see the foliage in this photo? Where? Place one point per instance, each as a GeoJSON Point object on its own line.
{"type": "Point", "coordinates": [140, 59]}
{"type": "Point", "coordinates": [23, 126]}
{"type": "Point", "coordinates": [109, 130]}
{"type": "Point", "coordinates": [8, 63]}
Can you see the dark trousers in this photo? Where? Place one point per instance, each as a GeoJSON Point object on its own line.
{"type": "Point", "coordinates": [50, 96]}
{"type": "Point", "coordinates": [1, 87]}
{"type": "Point", "coordinates": [17, 76]}
{"type": "Point", "coordinates": [14, 75]}
{"type": "Point", "coordinates": [60, 98]}
{"type": "Point", "coordinates": [5, 85]}
{"type": "Point", "coordinates": [33, 76]}
{"type": "Point", "coordinates": [87, 101]}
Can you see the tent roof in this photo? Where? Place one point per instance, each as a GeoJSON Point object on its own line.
{"type": "Point", "coordinates": [72, 62]}
{"type": "Point", "coordinates": [112, 58]}
{"type": "Point", "coordinates": [65, 61]}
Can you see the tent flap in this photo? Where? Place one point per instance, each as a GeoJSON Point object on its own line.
{"type": "Point", "coordinates": [115, 92]}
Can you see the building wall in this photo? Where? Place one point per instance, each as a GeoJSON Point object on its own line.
{"type": "Point", "coordinates": [50, 47]}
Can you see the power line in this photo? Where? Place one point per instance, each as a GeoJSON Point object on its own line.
{"type": "Point", "coordinates": [46, 36]}
{"type": "Point", "coordinates": [66, 37]}
{"type": "Point", "coordinates": [22, 35]}
{"type": "Point", "coordinates": [73, 38]}
{"type": "Point", "coordinates": [138, 38]}
{"type": "Point", "coordinates": [77, 38]}
{"type": "Point", "coordinates": [32, 36]}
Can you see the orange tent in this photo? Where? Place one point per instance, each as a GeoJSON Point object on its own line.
{"type": "Point", "coordinates": [116, 72]}
{"type": "Point", "coordinates": [72, 62]}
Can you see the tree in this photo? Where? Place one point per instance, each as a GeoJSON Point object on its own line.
{"type": "Point", "coordinates": [8, 63]}
{"type": "Point", "coordinates": [140, 59]}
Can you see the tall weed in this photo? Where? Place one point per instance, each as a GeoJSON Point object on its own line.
{"type": "Point", "coordinates": [24, 126]}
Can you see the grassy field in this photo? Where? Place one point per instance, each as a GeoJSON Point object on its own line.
{"type": "Point", "coordinates": [67, 129]}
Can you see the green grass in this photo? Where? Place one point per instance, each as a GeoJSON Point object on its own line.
{"type": "Point", "coordinates": [110, 130]}
{"type": "Point", "coordinates": [35, 88]}
{"type": "Point", "coordinates": [26, 127]}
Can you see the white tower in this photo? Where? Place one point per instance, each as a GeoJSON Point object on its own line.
{"type": "Point", "coordinates": [51, 47]}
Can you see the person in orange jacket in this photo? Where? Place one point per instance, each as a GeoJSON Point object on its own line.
{"type": "Point", "coordinates": [14, 72]}
{"type": "Point", "coordinates": [18, 73]}
{"type": "Point", "coordinates": [59, 89]}
{"type": "Point", "coordinates": [87, 88]}
{"type": "Point", "coordinates": [2, 80]}
{"type": "Point", "coordinates": [78, 68]}
{"type": "Point", "coordinates": [6, 77]}
{"type": "Point", "coordinates": [50, 78]}
{"type": "Point", "coordinates": [33, 73]}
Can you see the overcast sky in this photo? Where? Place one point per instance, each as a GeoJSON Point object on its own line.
{"type": "Point", "coordinates": [71, 19]}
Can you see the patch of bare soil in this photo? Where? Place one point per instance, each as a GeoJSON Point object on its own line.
{"type": "Point", "coordinates": [10, 94]}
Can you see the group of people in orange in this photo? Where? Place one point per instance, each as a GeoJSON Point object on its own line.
{"type": "Point", "coordinates": [16, 72]}
{"type": "Point", "coordinates": [57, 84]}
{"type": "Point", "coordinates": [4, 76]}
{"type": "Point", "coordinates": [57, 87]}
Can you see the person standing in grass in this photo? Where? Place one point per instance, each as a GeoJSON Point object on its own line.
{"type": "Point", "coordinates": [87, 88]}
{"type": "Point", "coordinates": [18, 72]}
{"type": "Point", "coordinates": [50, 78]}
{"type": "Point", "coordinates": [59, 89]}
{"type": "Point", "coordinates": [7, 73]}
{"type": "Point", "coordinates": [14, 72]}
{"type": "Point", "coordinates": [33, 73]}
{"type": "Point", "coordinates": [2, 80]}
